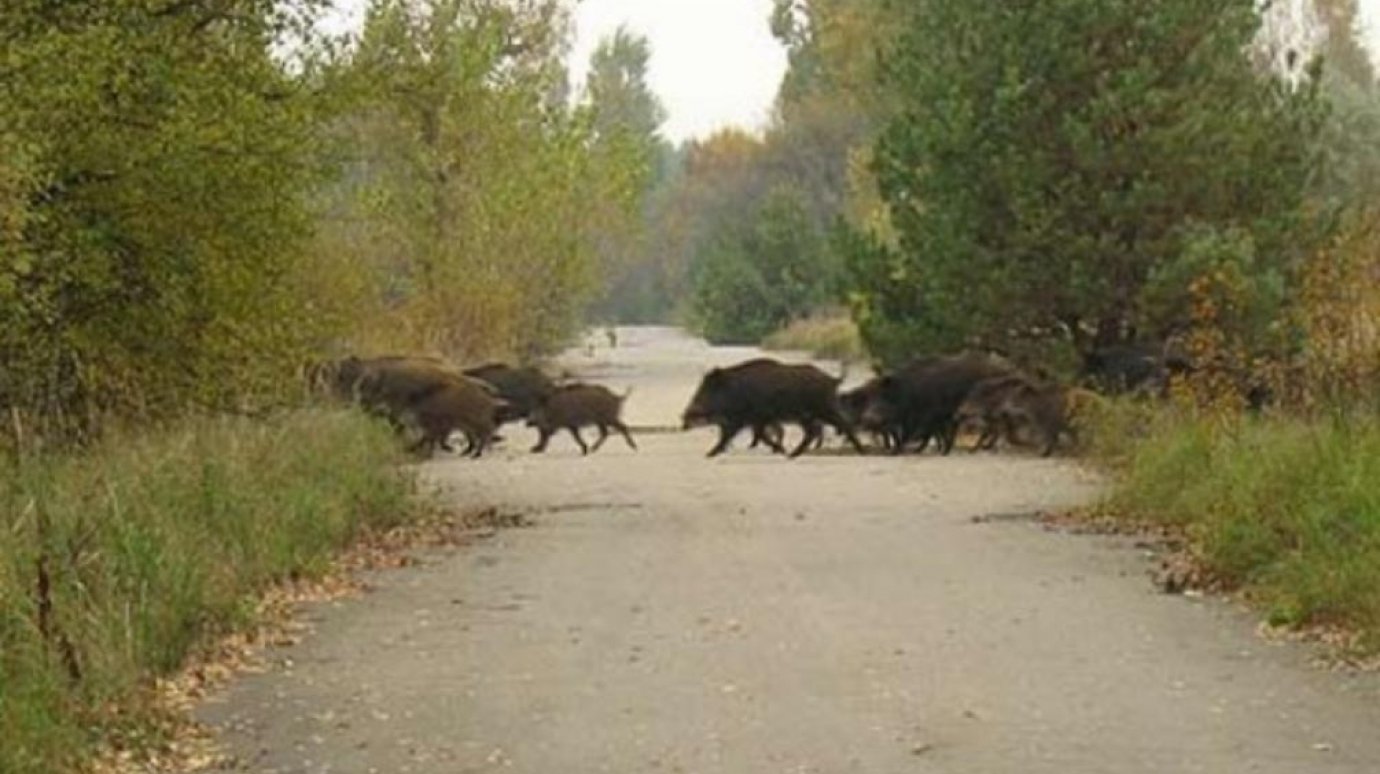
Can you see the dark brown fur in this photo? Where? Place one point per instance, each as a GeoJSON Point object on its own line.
{"type": "Point", "coordinates": [574, 406]}
{"type": "Point", "coordinates": [522, 387]}
{"type": "Point", "coordinates": [920, 402]}
{"type": "Point", "coordinates": [761, 393]}
{"type": "Point", "coordinates": [1049, 412]}
{"type": "Point", "coordinates": [455, 404]}
{"type": "Point", "coordinates": [984, 409]}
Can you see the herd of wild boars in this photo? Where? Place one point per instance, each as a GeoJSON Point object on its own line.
{"type": "Point", "coordinates": [924, 404]}
{"type": "Point", "coordinates": [438, 400]}
{"type": "Point", "coordinates": [927, 401]}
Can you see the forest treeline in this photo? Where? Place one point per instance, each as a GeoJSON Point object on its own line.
{"type": "Point", "coordinates": [199, 196]}
{"type": "Point", "coordinates": [1038, 180]}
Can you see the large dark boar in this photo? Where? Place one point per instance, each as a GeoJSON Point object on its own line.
{"type": "Point", "coordinates": [761, 393]}
{"type": "Point", "coordinates": [1125, 368]}
{"type": "Point", "coordinates": [574, 406]}
{"type": "Point", "coordinates": [394, 386]}
{"type": "Point", "coordinates": [854, 404]}
{"type": "Point", "coordinates": [921, 401]}
{"type": "Point", "coordinates": [522, 387]}
{"type": "Point", "coordinates": [456, 403]}
{"type": "Point", "coordinates": [984, 409]}
{"type": "Point", "coordinates": [387, 386]}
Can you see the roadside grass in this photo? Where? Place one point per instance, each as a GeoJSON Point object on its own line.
{"type": "Point", "coordinates": [829, 335]}
{"type": "Point", "coordinates": [119, 561]}
{"type": "Point", "coordinates": [1286, 510]}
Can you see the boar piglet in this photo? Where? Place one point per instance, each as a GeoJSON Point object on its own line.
{"type": "Point", "coordinates": [573, 406]}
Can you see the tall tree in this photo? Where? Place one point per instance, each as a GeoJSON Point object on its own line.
{"type": "Point", "coordinates": [619, 97]}
{"type": "Point", "coordinates": [1048, 162]}
{"type": "Point", "coordinates": [627, 118]}
{"type": "Point", "coordinates": [159, 157]}
{"type": "Point", "coordinates": [476, 197]}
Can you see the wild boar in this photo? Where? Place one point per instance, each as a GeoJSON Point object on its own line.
{"type": "Point", "coordinates": [522, 387]}
{"type": "Point", "coordinates": [921, 401]}
{"type": "Point", "coordinates": [574, 406]}
{"type": "Point", "coordinates": [761, 393]}
{"type": "Point", "coordinates": [983, 409]}
{"type": "Point", "coordinates": [455, 404]}
{"type": "Point", "coordinates": [854, 404]}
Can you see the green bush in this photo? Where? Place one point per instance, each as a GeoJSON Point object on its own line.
{"type": "Point", "coordinates": [151, 544]}
{"type": "Point", "coordinates": [1285, 509]}
{"type": "Point", "coordinates": [760, 275]}
{"type": "Point", "coordinates": [831, 335]}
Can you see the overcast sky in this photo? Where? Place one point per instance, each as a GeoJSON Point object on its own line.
{"type": "Point", "coordinates": [714, 62]}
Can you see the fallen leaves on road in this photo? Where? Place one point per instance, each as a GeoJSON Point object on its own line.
{"type": "Point", "coordinates": [174, 742]}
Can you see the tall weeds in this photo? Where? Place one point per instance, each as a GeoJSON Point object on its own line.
{"type": "Point", "coordinates": [117, 562]}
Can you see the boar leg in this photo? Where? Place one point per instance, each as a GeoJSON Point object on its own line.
{"type": "Point", "coordinates": [603, 436]}
{"type": "Point", "coordinates": [478, 444]}
{"type": "Point", "coordinates": [543, 438]}
{"type": "Point", "coordinates": [575, 433]}
{"type": "Point", "coordinates": [948, 435]}
{"type": "Point", "coordinates": [845, 428]}
{"type": "Point", "coordinates": [726, 433]}
{"type": "Point", "coordinates": [627, 436]}
{"type": "Point", "coordinates": [812, 432]}
{"type": "Point", "coordinates": [770, 434]}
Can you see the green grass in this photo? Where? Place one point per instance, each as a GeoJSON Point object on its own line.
{"type": "Point", "coordinates": [1287, 510]}
{"type": "Point", "coordinates": [831, 335]}
{"type": "Point", "coordinates": [153, 545]}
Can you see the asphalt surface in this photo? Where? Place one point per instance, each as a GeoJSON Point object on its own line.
{"type": "Point", "coordinates": [668, 613]}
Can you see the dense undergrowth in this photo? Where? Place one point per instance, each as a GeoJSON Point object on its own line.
{"type": "Point", "coordinates": [830, 335]}
{"type": "Point", "coordinates": [1284, 509]}
{"type": "Point", "coordinates": [118, 562]}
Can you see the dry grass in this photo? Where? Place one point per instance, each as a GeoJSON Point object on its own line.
{"type": "Point", "coordinates": [119, 563]}
{"type": "Point", "coordinates": [831, 335]}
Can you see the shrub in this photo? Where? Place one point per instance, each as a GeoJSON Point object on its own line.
{"type": "Point", "coordinates": [1284, 509]}
{"type": "Point", "coordinates": [115, 564]}
{"type": "Point", "coordinates": [831, 334]}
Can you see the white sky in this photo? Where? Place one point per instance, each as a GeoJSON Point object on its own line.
{"type": "Point", "coordinates": [714, 62]}
{"type": "Point", "coordinates": [1370, 18]}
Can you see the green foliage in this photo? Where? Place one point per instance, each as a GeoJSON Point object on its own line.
{"type": "Point", "coordinates": [156, 164]}
{"type": "Point", "coordinates": [1230, 258]}
{"type": "Point", "coordinates": [831, 334]}
{"type": "Point", "coordinates": [824, 111]}
{"type": "Point", "coordinates": [762, 274]}
{"type": "Point", "coordinates": [1284, 509]}
{"type": "Point", "coordinates": [152, 543]}
{"type": "Point", "coordinates": [627, 120]}
{"type": "Point", "coordinates": [1351, 172]}
{"type": "Point", "coordinates": [619, 96]}
{"type": "Point", "coordinates": [475, 199]}
{"type": "Point", "coordinates": [1044, 162]}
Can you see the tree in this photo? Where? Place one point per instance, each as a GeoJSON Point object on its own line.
{"type": "Point", "coordinates": [619, 97]}
{"type": "Point", "coordinates": [475, 198]}
{"type": "Point", "coordinates": [762, 274]}
{"type": "Point", "coordinates": [627, 119]}
{"type": "Point", "coordinates": [156, 167]}
{"type": "Point", "coordinates": [1045, 160]}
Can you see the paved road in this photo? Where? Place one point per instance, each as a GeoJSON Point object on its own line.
{"type": "Point", "coordinates": [668, 613]}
